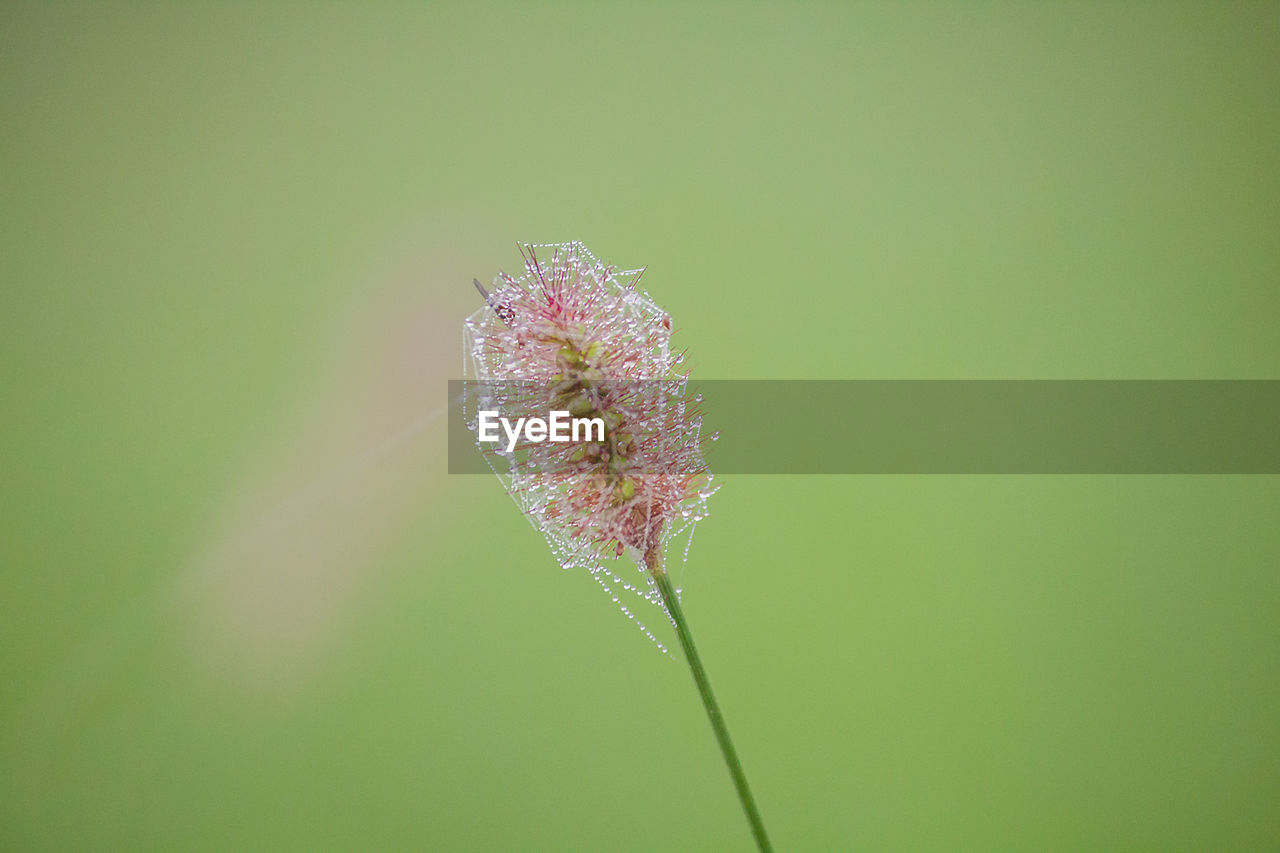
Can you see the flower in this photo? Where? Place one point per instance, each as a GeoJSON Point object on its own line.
{"type": "Point", "coordinates": [575, 335]}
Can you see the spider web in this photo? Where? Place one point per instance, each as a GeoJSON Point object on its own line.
{"type": "Point", "coordinates": [537, 489]}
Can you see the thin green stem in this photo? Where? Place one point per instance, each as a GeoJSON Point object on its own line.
{"type": "Point", "coordinates": [709, 702]}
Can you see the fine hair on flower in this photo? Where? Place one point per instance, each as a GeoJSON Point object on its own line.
{"type": "Point", "coordinates": [573, 334]}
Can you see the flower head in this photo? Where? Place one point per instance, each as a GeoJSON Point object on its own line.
{"type": "Point", "coordinates": [576, 335]}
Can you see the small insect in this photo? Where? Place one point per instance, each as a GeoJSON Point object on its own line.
{"type": "Point", "coordinates": [504, 312]}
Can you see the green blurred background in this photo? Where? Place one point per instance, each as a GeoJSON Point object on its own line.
{"type": "Point", "coordinates": [245, 608]}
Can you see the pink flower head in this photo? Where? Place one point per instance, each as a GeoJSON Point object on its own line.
{"type": "Point", "coordinates": [574, 334]}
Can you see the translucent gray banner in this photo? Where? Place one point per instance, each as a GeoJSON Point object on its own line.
{"type": "Point", "coordinates": [942, 426]}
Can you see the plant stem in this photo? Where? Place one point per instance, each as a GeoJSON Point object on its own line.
{"type": "Point", "coordinates": [709, 702]}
